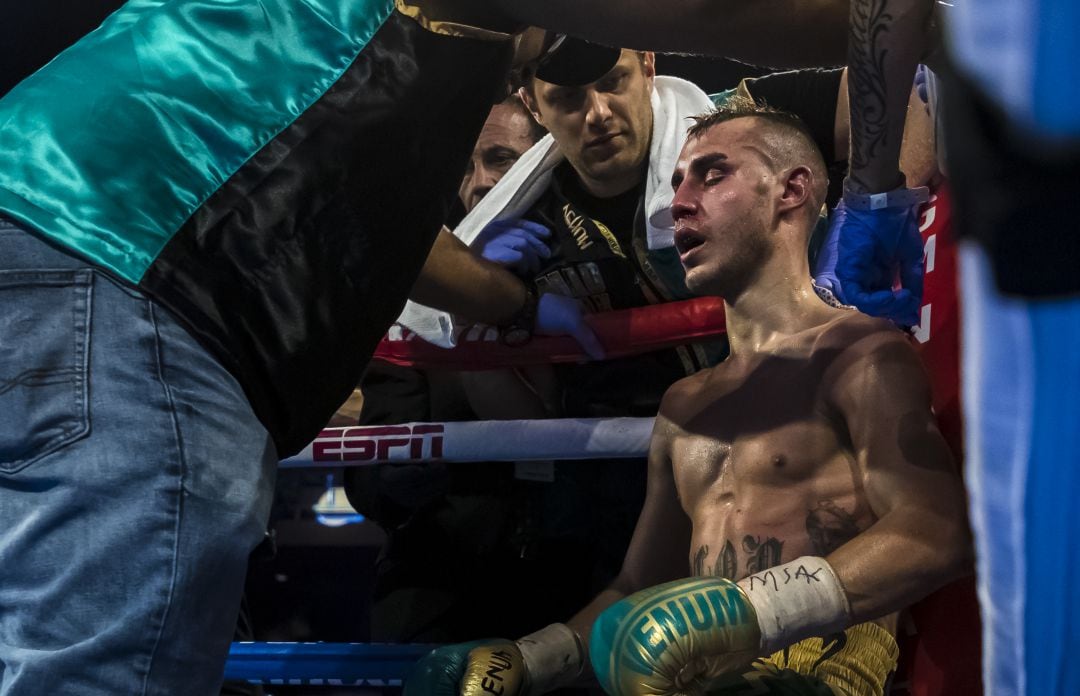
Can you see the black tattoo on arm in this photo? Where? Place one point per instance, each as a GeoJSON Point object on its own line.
{"type": "Point", "coordinates": [829, 527]}
{"type": "Point", "coordinates": [726, 563]}
{"type": "Point", "coordinates": [870, 24]}
{"type": "Point", "coordinates": [698, 565]}
{"type": "Point", "coordinates": [762, 554]}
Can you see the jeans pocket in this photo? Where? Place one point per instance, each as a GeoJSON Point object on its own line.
{"type": "Point", "coordinates": [44, 352]}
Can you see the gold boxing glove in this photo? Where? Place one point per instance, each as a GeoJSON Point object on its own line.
{"type": "Point", "coordinates": [539, 662]}
{"type": "Point", "coordinates": [670, 639]}
{"type": "Point", "coordinates": [677, 637]}
{"type": "Point", "coordinates": [469, 669]}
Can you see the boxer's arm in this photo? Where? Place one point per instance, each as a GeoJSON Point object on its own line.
{"type": "Point", "coordinates": [921, 539]}
{"type": "Point", "coordinates": [557, 656]}
{"type": "Point", "coordinates": [658, 550]}
{"type": "Point", "coordinates": [456, 280]}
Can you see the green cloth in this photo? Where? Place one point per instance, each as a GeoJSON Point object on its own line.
{"type": "Point", "coordinates": [113, 145]}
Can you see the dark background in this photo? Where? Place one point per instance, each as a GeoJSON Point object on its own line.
{"type": "Point", "coordinates": [33, 31]}
{"type": "Point", "coordinates": [317, 585]}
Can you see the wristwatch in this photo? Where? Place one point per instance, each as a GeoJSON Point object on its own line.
{"type": "Point", "coordinates": [518, 330]}
{"type": "Point", "coordinates": [902, 197]}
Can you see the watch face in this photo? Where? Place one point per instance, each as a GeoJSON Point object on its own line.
{"type": "Point", "coordinates": [517, 336]}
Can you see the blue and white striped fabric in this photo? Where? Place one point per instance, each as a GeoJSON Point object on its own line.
{"type": "Point", "coordinates": [1022, 403]}
{"type": "Point", "coordinates": [1021, 376]}
{"type": "Point", "coordinates": [1025, 54]}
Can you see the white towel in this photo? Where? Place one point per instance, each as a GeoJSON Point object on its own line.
{"type": "Point", "coordinates": [673, 102]}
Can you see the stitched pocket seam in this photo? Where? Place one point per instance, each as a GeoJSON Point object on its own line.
{"type": "Point", "coordinates": [81, 284]}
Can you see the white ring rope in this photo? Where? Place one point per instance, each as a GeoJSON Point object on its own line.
{"type": "Point", "coordinates": [478, 441]}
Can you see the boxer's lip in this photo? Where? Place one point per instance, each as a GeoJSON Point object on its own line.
{"type": "Point", "coordinates": [687, 239]}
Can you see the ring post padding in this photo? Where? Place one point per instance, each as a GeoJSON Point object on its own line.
{"type": "Point", "coordinates": [478, 441]}
{"type": "Point", "coordinates": [345, 664]}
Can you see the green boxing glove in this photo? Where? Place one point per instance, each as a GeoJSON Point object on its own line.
{"type": "Point", "coordinates": [677, 637]}
{"type": "Point", "coordinates": [539, 662]}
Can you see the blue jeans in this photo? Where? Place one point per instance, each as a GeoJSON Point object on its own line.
{"type": "Point", "coordinates": [134, 482]}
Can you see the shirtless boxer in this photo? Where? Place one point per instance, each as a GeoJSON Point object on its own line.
{"type": "Point", "coordinates": [225, 182]}
{"type": "Point", "coordinates": [807, 467]}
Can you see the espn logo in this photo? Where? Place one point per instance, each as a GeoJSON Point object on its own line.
{"type": "Point", "coordinates": [377, 443]}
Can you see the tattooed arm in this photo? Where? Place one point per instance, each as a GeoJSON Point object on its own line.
{"type": "Point", "coordinates": [886, 40]}
{"type": "Point", "coordinates": [918, 157]}
{"type": "Point", "coordinates": [920, 539]}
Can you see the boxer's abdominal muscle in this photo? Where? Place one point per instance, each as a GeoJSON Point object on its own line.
{"type": "Point", "coordinates": [761, 495]}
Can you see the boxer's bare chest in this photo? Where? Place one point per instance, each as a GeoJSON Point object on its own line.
{"type": "Point", "coordinates": [762, 466]}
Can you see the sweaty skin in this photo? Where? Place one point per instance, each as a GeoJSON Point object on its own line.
{"type": "Point", "coordinates": [760, 454]}
{"type": "Point", "coordinates": [759, 465]}
{"type": "Point", "coordinates": [815, 437]}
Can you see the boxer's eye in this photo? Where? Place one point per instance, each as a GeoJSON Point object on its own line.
{"type": "Point", "coordinates": [714, 176]}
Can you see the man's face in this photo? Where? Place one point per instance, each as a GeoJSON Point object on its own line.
{"type": "Point", "coordinates": [603, 128]}
{"type": "Point", "coordinates": [506, 135]}
{"type": "Point", "coordinates": [722, 207]}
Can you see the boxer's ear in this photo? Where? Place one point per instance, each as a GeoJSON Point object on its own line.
{"type": "Point", "coordinates": [798, 189]}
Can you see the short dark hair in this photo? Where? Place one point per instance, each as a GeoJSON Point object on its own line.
{"type": "Point", "coordinates": [745, 107]}
{"type": "Point", "coordinates": [536, 131]}
{"type": "Point", "coordinates": [796, 144]}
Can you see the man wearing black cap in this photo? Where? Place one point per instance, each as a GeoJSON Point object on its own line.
{"type": "Point", "coordinates": [591, 198]}
{"type": "Point", "coordinates": [494, 530]}
{"type": "Point", "coordinates": [614, 126]}
{"type": "Point", "coordinates": [594, 196]}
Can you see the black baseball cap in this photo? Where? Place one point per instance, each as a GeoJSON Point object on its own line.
{"type": "Point", "coordinates": [572, 62]}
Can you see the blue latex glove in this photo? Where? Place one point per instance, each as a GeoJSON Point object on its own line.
{"type": "Point", "coordinates": [865, 252]}
{"type": "Point", "coordinates": [517, 244]}
{"type": "Point", "coordinates": [557, 315]}
{"type": "Point", "coordinates": [921, 86]}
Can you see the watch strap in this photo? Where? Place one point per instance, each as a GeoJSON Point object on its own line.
{"type": "Point", "coordinates": [902, 197]}
{"type": "Point", "coordinates": [519, 328]}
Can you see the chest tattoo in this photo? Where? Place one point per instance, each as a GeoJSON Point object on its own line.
{"type": "Point", "coordinates": [829, 527]}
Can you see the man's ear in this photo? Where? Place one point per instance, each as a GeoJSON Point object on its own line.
{"type": "Point", "coordinates": [798, 189]}
{"type": "Point", "coordinates": [648, 64]}
{"type": "Point", "coordinates": [529, 101]}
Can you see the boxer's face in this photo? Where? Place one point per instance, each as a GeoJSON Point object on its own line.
{"type": "Point", "coordinates": [603, 128]}
{"type": "Point", "coordinates": [506, 135]}
{"type": "Point", "coordinates": [721, 207]}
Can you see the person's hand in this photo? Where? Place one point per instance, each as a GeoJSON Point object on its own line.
{"type": "Point", "coordinates": [517, 244]}
{"type": "Point", "coordinates": [922, 87]}
{"type": "Point", "coordinates": [469, 669]}
{"type": "Point", "coordinates": [674, 638]}
{"type": "Point", "coordinates": [557, 315]}
{"type": "Point", "coordinates": [678, 637]}
{"type": "Point", "coordinates": [866, 252]}
{"type": "Point", "coordinates": [540, 662]}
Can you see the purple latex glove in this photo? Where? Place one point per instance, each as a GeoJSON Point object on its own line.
{"type": "Point", "coordinates": [865, 252]}
{"type": "Point", "coordinates": [921, 86]}
{"type": "Point", "coordinates": [517, 244]}
{"type": "Point", "coordinates": [557, 315]}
